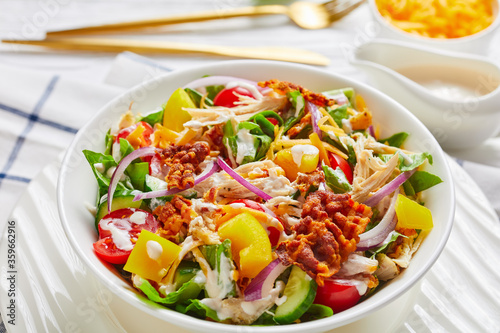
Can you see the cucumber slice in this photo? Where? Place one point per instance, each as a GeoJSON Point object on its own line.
{"type": "Point", "coordinates": [124, 201]}
{"type": "Point", "coordinates": [300, 292]}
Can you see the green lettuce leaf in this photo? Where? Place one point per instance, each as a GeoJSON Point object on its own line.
{"type": "Point", "coordinates": [316, 311]}
{"type": "Point", "coordinates": [336, 180]}
{"type": "Point", "coordinates": [395, 140]}
{"type": "Point", "coordinates": [153, 118]}
{"type": "Point", "coordinates": [422, 180]}
{"type": "Point", "coordinates": [189, 290]}
{"type": "Point", "coordinates": [197, 309]}
{"type": "Point", "coordinates": [219, 256]}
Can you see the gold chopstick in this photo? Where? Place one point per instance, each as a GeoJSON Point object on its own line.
{"type": "Point", "coordinates": [183, 18]}
{"type": "Point", "coordinates": [141, 46]}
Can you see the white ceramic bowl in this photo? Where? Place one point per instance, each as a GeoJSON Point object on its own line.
{"type": "Point", "coordinates": [77, 185]}
{"type": "Point", "coordinates": [477, 43]}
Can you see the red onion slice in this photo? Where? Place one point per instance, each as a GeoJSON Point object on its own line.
{"type": "Point", "coordinates": [249, 186]}
{"type": "Point", "coordinates": [371, 131]}
{"type": "Point", "coordinates": [315, 117]}
{"type": "Point", "coordinates": [340, 99]}
{"type": "Point", "coordinates": [389, 188]}
{"type": "Point", "coordinates": [209, 171]}
{"type": "Point", "coordinates": [120, 169]}
{"type": "Point", "coordinates": [377, 235]}
{"type": "Point", "coordinates": [261, 285]}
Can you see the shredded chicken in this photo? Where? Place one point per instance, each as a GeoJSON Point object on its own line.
{"type": "Point", "coordinates": [326, 235]}
{"type": "Point", "coordinates": [357, 264]}
{"type": "Point", "coordinates": [203, 226]}
{"type": "Point", "coordinates": [287, 209]}
{"type": "Point", "coordinates": [249, 107]}
{"type": "Point", "coordinates": [387, 270]}
{"type": "Point", "coordinates": [370, 172]}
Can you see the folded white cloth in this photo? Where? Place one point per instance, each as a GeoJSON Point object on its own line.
{"type": "Point", "coordinates": [40, 113]}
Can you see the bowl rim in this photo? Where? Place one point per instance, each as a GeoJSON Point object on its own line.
{"type": "Point", "coordinates": [437, 41]}
{"type": "Point", "coordinates": [193, 323]}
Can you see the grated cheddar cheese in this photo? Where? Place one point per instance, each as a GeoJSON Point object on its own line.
{"type": "Point", "coordinates": [438, 18]}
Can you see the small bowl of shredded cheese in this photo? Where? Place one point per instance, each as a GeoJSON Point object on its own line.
{"type": "Point", "coordinates": [458, 25]}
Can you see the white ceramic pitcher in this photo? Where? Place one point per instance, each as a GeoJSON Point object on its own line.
{"type": "Point", "coordinates": [457, 96]}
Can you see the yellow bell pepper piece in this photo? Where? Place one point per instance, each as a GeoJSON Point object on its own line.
{"type": "Point", "coordinates": [284, 158]}
{"type": "Point", "coordinates": [152, 256]}
{"type": "Point", "coordinates": [411, 215]}
{"type": "Point", "coordinates": [250, 244]}
{"type": "Point", "coordinates": [174, 116]}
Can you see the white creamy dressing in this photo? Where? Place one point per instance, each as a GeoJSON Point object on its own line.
{"type": "Point", "coordinates": [346, 125]}
{"type": "Point", "coordinates": [237, 205]}
{"type": "Point", "coordinates": [298, 151]}
{"type": "Point", "coordinates": [200, 278]}
{"type": "Point", "coordinates": [244, 142]}
{"type": "Point", "coordinates": [216, 305]}
{"type": "Point", "coordinates": [116, 153]}
{"type": "Point", "coordinates": [250, 87]}
{"type": "Point", "coordinates": [449, 83]}
{"type": "Point", "coordinates": [408, 160]}
{"type": "Point", "coordinates": [119, 232]}
{"type": "Point", "coordinates": [99, 167]}
{"type": "Point", "coordinates": [154, 250]}
{"type": "Point", "coordinates": [138, 217]}
{"type": "Point", "coordinates": [188, 242]}
{"type": "Point", "coordinates": [225, 280]}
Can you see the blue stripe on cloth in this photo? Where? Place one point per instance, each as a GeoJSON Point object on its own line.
{"type": "Point", "coordinates": [36, 118]}
{"type": "Point", "coordinates": [20, 139]}
{"type": "Point", "coordinates": [16, 178]}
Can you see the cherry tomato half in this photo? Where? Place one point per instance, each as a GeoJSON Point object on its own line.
{"type": "Point", "coordinates": [337, 161]}
{"type": "Point", "coordinates": [125, 223]}
{"type": "Point", "coordinates": [227, 97]}
{"type": "Point", "coordinates": [272, 232]}
{"type": "Point", "coordinates": [148, 130]}
{"type": "Point", "coordinates": [337, 296]}
{"type": "Point", "coordinates": [272, 121]}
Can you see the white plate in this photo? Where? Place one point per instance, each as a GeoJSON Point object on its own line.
{"type": "Point", "coordinates": [54, 291]}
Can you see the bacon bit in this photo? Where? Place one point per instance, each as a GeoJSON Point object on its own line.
{"type": "Point", "coordinates": [327, 233]}
{"type": "Point", "coordinates": [174, 215]}
{"type": "Point", "coordinates": [305, 181]}
{"type": "Point", "coordinates": [183, 162]}
{"type": "Point", "coordinates": [283, 87]}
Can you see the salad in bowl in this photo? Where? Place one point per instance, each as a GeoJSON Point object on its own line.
{"type": "Point", "coordinates": [258, 202]}
{"type": "Point", "coordinates": [256, 195]}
